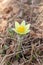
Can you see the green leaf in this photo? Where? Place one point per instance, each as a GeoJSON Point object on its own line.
{"type": "Point", "coordinates": [17, 57]}
{"type": "Point", "coordinates": [33, 58]}
{"type": "Point", "coordinates": [8, 63]}
{"type": "Point", "coordinates": [5, 47]}
{"type": "Point", "coordinates": [11, 32]}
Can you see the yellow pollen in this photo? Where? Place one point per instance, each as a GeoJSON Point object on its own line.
{"type": "Point", "coordinates": [21, 29]}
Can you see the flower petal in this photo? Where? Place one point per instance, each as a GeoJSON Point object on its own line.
{"type": "Point", "coordinates": [27, 26]}
{"type": "Point", "coordinates": [14, 30]}
{"type": "Point", "coordinates": [16, 24]}
{"type": "Point", "coordinates": [23, 23]}
{"type": "Point", "coordinates": [21, 33]}
{"type": "Point", "coordinates": [27, 31]}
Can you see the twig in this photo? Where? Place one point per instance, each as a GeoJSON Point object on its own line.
{"type": "Point", "coordinates": [24, 62]}
{"type": "Point", "coordinates": [15, 53]}
{"type": "Point", "coordinates": [37, 59]}
{"type": "Point", "coordinates": [32, 52]}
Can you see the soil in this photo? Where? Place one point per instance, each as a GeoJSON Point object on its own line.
{"type": "Point", "coordinates": [31, 52]}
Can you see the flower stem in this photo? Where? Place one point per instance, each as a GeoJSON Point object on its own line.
{"type": "Point", "coordinates": [19, 41]}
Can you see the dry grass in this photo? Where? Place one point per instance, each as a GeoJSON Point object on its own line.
{"type": "Point", "coordinates": [32, 45]}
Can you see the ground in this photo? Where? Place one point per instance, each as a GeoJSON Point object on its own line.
{"type": "Point", "coordinates": [32, 44]}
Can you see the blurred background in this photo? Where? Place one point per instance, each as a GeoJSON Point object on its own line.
{"type": "Point", "coordinates": [18, 10]}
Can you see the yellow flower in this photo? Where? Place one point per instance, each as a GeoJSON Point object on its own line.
{"type": "Point", "coordinates": [21, 28]}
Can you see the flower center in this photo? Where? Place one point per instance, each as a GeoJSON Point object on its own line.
{"type": "Point", "coordinates": [21, 29]}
